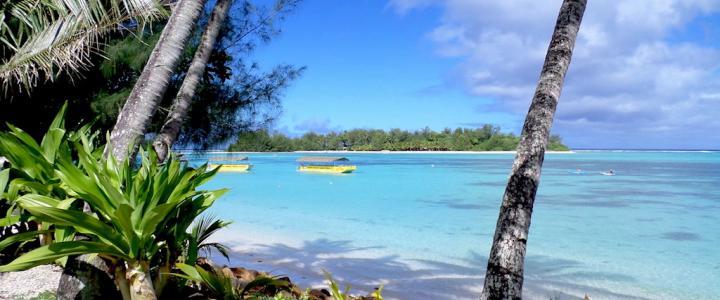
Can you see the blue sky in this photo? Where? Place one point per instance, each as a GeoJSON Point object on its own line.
{"type": "Point", "coordinates": [645, 73]}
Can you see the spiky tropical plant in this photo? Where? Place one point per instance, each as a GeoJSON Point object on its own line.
{"type": "Point", "coordinates": [32, 169]}
{"type": "Point", "coordinates": [136, 213]}
{"type": "Point", "coordinates": [41, 38]}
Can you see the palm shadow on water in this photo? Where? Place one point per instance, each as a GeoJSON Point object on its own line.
{"type": "Point", "coordinates": [546, 278]}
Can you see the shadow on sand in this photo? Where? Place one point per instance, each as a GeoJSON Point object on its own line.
{"type": "Point", "coordinates": [364, 269]}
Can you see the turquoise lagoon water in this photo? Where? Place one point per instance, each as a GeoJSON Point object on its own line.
{"type": "Point", "coordinates": [422, 224]}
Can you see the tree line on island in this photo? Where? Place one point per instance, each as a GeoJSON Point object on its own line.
{"type": "Point", "coordinates": [485, 138]}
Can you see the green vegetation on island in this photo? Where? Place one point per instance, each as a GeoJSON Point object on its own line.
{"type": "Point", "coordinates": [485, 138]}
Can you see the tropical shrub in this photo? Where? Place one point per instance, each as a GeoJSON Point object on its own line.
{"type": "Point", "coordinates": [221, 284]}
{"type": "Point", "coordinates": [140, 216]}
{"type": "Point", "coordinates": [345, 295]}
{"type": "Point", "coordinates": [32, 170]}
{"type": "Point", "coordinates": [216, 284]}
{"type": "Point", "coordinates": [197, 239]}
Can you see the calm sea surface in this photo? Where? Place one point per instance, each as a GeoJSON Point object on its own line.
{"type": "Point", "coordinates": [422, 224]}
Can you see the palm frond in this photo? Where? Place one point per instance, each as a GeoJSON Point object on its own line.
{"type": "Point", "coordinates": [206, 226]}
{"type": "Point", "coordinates": [222, 249]}
{"type": "Point", "coordinates": [47, 37]}
{"type": "Point", "coordinates": [203, 229]}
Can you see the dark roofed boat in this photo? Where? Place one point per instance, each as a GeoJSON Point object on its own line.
{"type": "Point", "coordinates": [218, 161]}
{"type": "Point", "coordinates": [325, 164]}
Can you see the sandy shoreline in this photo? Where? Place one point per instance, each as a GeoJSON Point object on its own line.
{"type": "Point", "coordinates": [365, 268]}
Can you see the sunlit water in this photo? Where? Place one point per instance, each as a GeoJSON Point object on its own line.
{"type": "Point", "coordinates": [422, 224]}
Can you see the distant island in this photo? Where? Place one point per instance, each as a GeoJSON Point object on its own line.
{"type": "Point", "coordinates": [485, 138]}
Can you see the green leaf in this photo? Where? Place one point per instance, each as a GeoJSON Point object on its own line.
{"type": "Point", "coordinates": [51, 143]}
{"type": "Point", "coordinates": [190, 271]}
{"type": "Point", "coordinates": [49, 253]}
{"type": "Point", "coordinates": [83, 186]}
{"type": "Point", "coordinates": [123, 220]}
{"type": "Point", "coordinates": [59, 121]}
{"type": "Point", "coordinates": [80, 221]}
{"type": "Point", "coordinates": [9, 220]}
{"type": "Point", "coordinates": [24, 154]}
{"type": "Point", "coordinates": [222, 249]}
{"type": "Point", "coordinates": [154, 217]}
{"type": "Point", "coordinates": [20, 237]}
{"type": "Point", "coordinates": [30, 185]}
{"type": "Point", "coordinates": [39, 200]}
{"type": "Point", "coordinates": [4, 177]}
{"type": "Point", "coordinates": [24, 138]}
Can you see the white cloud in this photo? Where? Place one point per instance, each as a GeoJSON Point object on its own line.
{"type": "Point", "coordinates": [629, 76]}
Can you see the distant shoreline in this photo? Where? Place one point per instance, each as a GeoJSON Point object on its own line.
{"type": "Point", "coordinates": [426, 152]}
{"type": "Point", "coordinates": [379, 152]}
{"type": "Point", "coordinates": [453, 152]}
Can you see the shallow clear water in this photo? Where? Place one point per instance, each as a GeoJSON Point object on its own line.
{"type": "Point", "coordinates": [422, 223]}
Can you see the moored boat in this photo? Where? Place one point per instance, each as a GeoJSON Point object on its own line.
{"type": "Point", "coordinates": [231, 166]}
{"type": "Point", "coordinates": [325, 164]}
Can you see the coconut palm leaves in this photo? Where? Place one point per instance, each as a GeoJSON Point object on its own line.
{"type": "Point", "coordinates": [42, 38]}
{"type": "Point", "coordinates": [198, 236]}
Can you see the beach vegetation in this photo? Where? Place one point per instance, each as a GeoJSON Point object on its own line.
{"type": "Point", "coordinates": [222, 283]}
{"type": "Point", "coordinates": [485, 138]}
{"type": "Point", "coordinates": [33, 171]}
{"type": "Point", "coordinates": [233, 92]}
{"type": "Point", "coordinates": [337, 294]}
{"type": "Point", "coordinates": [140, 218]}
{"type": "Point", "coordinates": [197, 239]}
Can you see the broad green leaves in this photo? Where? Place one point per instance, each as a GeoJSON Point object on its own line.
{"type": "Point", "coordinates": [52, 252]}
{"type": "Point", "coordinates": [139, 216]}
{"type": "Point", "coordinates": [136, 211]}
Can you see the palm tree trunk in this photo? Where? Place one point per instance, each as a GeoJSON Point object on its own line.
{"type": "Point", "coordinates": [170, 130]}
{"type": "Point", "coordinates": [140, 283]}
{"type": "Point", "coordinates": [504, 277]}
{"type": "Point", "coordinates": [140, 106]}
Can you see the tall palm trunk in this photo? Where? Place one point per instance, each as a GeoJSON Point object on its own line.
{"type": "Point", "coordinates": [504, 277]}
{"type": "Point", "coordinates": [170, 130]}
{"type": "Point", "coordinates": [135, 116]}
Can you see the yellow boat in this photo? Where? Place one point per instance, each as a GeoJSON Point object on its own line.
{"type": "Point", "coordinates": [324, 164]}
{"type": "Point", "coordinates": [230, 167]}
